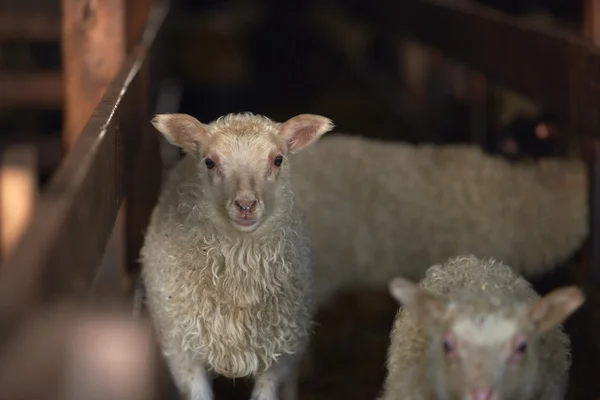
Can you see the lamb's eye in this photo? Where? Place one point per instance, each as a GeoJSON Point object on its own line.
{"type": "Point", "coordinates": [278, 160]}
{"type": "Point", "coordinates": [521, 347]}
{"type": "Point", "coordinates": [449, 344]}
{"type": "Point", "coordinates": [210, 164]}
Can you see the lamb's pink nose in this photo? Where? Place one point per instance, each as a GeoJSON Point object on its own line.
{"type": "Point", "coordinates": [246, 206]}
{"type": "Point", "coordinates": [482, 393]}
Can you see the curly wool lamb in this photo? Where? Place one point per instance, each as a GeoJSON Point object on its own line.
{"type": "Point", "coordinates": [475, 330]}
{"type": "Point", "coordinates": [227, 256]}
{"type": "Point", "coordinates": [377, 209]}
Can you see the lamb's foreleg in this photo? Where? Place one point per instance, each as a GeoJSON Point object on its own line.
{"type": "Point", "coordinates": [282, 375]}
{"type": "Point", "coordinates": [191, 378]}
{"type": "Point", "coordinates": [200, 388]}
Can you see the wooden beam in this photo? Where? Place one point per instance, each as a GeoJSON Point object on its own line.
{"type": "Point", "coordinates": [137, 13]}
{"type": "Point", "coordinates": [487, 40]}
{"type": "Point", "coordinates": [48, 147]}
{"type": "Point", "coordinates": [591, 22]}
{"type": "Point", "coordinates": [18, 192]}
{"type": "Point", "coordinates": [93, 49]}
{"type": "Point", "coordinates": [65, 241]}
{"type": "Point", "coordinates": [29, 26]}
{"type": "Point", "coordinates": [31, 89]}
{"type": "Point", "coordinates": [591, 150]}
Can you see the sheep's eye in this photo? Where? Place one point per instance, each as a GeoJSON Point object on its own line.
{"type": "Point", "coordinates": [278, 160]}
{"type": "Point", "coordinates": [521, 346]}
{"type": "Point", "coordinates": [449, 344]}
{"type": "Point", "coordinates": [210, 164]}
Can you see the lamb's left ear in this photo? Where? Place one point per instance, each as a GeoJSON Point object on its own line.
{"type": "Point", "coordinates": [555, 307]}
{"type": "Point", "coordinates": [303, 130]}
{"type": "Point", "coordinates": [422, 304]}
{"type": "Point", "coordinates": [181, 130]}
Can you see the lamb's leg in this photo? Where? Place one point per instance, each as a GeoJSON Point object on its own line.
{"type": "Point", "coordinates": [191, 378]}
{"type": "Point", "coordinates": [289, 389]}
{"type": "Point", "coordinates": [282, 374]}
{"type": "Point", "coordinates": [200, 388]}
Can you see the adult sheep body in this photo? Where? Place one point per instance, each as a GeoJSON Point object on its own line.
{"type": "Point", "coordinates": [227, 257]}
{"type": "Point", "coordinates": [379, 209]}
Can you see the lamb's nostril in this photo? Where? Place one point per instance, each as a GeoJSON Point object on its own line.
{"type": "Point", "coordinates": [245, 205]}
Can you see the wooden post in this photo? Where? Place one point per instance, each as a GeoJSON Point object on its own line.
{"type": "Point", "coordinates": [18, 192]}
{"type": "Point", "coordinates": [143, 180]}
{"type": "Point", "coordinates": [93, 49]}
{"type": "Point", "coordinates": [137, 12]}
{"type": "Point", "coordinates": [591, 143]}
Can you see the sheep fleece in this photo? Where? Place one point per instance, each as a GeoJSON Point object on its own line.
{"type": "Point", "coordinates": [469, 277]}
{"type": "Point", "coordinates": [232, 304]}
{"type": "Point", "coordinates": [378, 209]}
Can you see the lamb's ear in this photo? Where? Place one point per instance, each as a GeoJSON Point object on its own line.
{"type": "Point", "coordinates": [181, 130]}
{"type": "Point", "coordinates": [555, 307]}
{"type": "Point", "coordinates": [303, 130]}
{"type": "Point", "coordinates": [422, 304]}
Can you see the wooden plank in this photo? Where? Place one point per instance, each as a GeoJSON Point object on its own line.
{"type": "Point", "coordinates": [591, 24]}
{"type": "Point", "coordinates": [591, 31]}
{"type": "Point", "coordinates": [29, 26]}
{"type": "Point", "coordinates": [144, 178]}
{"type": "Point", "coordinates": [48, 147]}
{"type": "Point", "coordinates": [61, 249]}
{"type": "Point", "coordinates": [93, 49]}
{"type": "Point", "coordinates": [18, 193]}
{"type": "Point", "coordinates": [31, 89]}
{"type": "Point", "coordinates": [121, 254]}
{"type": "Point", "coordinates": [489, 41]}
{"type": "Point", "coordinates": [137, 13]}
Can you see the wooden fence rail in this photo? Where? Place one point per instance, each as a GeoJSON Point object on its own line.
{"type": "Point", "coordinates": [60, 252]}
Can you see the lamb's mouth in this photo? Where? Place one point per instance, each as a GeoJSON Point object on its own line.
{"type": "Point", "coordinates": [245, 222]}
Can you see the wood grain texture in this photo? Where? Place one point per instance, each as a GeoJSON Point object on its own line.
{"type": "Point", "coordinates": [93, 49]}
{"type": "Point", "coordinates": [31, 89]}
{"type": "Point", "coordinates": [28, 25]}
{"type": "Point", "coordinates": [60, 252]}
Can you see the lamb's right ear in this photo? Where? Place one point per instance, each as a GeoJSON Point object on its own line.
{"type": "Point", "coordinates": [422, 304]}
{"type": "Point", "coordinates": [555, 307]}
{"type": "Point", "coordinates": [303, 130]}
{"type": "Point", "coordinates": [181, 130]}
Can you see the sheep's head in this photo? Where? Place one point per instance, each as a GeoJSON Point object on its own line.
{"type": "Point", "coordinates": [242, 159]}
{"type": "Point", "coordinates": [484, 356]}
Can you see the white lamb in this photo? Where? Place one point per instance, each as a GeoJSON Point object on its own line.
{"type": "Point", "coordinates": [226, 259]}
{"type": "Point", "coordinates": [475, 330]}
{"type": "Point", "coordinates": [379, 209]}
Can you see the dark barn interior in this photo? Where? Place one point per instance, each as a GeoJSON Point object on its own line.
{"type": "Point", "coordinates": [369, 66]}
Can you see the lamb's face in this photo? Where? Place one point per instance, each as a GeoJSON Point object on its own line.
{"type": "Point", "coordinates": [247, 174]}
{"type": "Point", "coordinates": [484, 355]}
{"type": "Point", "coordinates": [489, 356]}
{"type": "Point", "coordinates": [242, 160]}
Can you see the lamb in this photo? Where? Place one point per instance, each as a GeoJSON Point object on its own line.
{"type": "Point", "coordinates": [380, 209]}
{"type": "Point", "coordinates": [475, 330]}
{"type": "Point", "coordinates": [226, 262]}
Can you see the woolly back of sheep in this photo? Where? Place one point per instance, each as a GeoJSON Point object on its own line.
{"type": "Point", "coordinates": [378, 209]}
